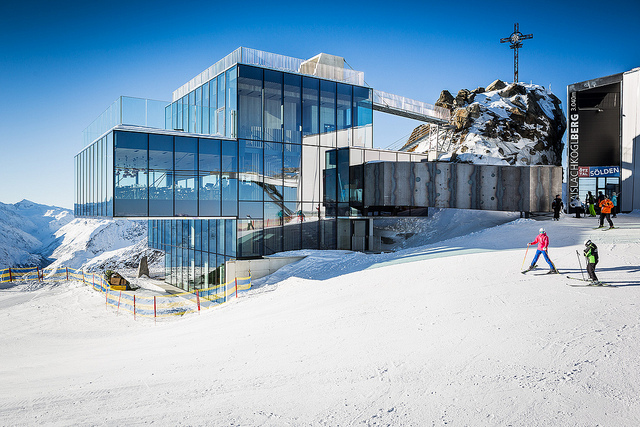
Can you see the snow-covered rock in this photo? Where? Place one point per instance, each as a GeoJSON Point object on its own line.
{"type": "Point", "coordinates": [516, 124]}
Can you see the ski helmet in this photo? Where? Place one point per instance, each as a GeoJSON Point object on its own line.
{"type": "Point", "coordinates": [587, 242]}
{"type": "Point", "coordinates": [541, 231]}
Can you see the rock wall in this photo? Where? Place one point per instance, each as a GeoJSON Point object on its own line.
{"type": "Point", "coordinates": [514, 124]}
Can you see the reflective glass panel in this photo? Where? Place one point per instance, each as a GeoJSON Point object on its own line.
{"type": "Point", "coordinates": [131, 192]}
{"type": "Point", "coordinates": [250, 159]}
{"type": "Point", "coordinates": [229, 178]}
{"type": "Point", "coordinates": [310, 106]}
{"type": "Point", "coordinates": [160, 175]}
{"type": "Point", "coordinates": [213, 105]}
{"type": "Point", "coordinates": [273, 172]}
{"type": "Point", "coordinates": [292, 172]}
{"type": "Point", "coordinates": [231, 107]}
{"type": "Point", "coordinates": [292, 108]}
{"type": "Point", "coordinates": [250, 102]}
{"type": "Point", "coordinates": [186, 194]}
{"type": "Point", "coordinates": [272, 105]}
{"type": "Point", "coordinates": [209, 162]}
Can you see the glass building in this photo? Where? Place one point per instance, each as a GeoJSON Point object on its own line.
{"type": "Point", "coordinates": [251, 157]}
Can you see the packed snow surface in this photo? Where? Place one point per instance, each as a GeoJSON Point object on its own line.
{"type": "Point", "coordinates": [447, 333]}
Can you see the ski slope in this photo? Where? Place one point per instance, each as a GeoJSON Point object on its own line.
{"type": "Point", "coordinates": [447, 333]}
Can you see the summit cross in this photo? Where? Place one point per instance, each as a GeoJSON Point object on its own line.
{"type": "Point", "coordinates": [516, 43]}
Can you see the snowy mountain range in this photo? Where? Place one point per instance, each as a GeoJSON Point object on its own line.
{"type": "Point", "coordinates": [32, 234]}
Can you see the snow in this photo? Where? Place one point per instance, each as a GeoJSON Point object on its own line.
{"type": "Point", "coordinates": [448, 332]}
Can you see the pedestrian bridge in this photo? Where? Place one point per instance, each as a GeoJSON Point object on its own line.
{"type": "Point", "coordinates": [409, 108]}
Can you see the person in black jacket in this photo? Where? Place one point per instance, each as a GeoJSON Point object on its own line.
{"type": "Point", "coordinates": [557, 206]}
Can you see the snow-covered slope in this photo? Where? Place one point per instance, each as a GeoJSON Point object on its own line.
{"type": "Point", "coordinates": [28, 232]}
{"type": "Point", "coordinates": [449, 333]}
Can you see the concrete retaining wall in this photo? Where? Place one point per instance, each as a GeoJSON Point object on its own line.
{"type": "Point", "coordinates": [462, 186]}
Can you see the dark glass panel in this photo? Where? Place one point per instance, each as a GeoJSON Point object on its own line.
{"type": "Point", "coordinates": [272, 105]}
{"type": "Point", "coordinates": [330, 177]}
{"type": "Point", "coordinates": [310, 106]}
{"type": "Point", "coordinates": [231, 107]}
{"type": "Point", "coordinates": [131, 162]}
{"type": "Point", "coordinates": [160, 175]}
{"type": "Point", "coordinates": [250, 102]}
{"type": "Point", "coordinates": [229, 178]}
{"type": "Point", "coordinates": [292, 172]}
{"type": "Point", "coordinates": [186, 194]}
{"type": "Point", "coordinates": [292, 108]}
{"type": "Point", "coordinates": [273, 220]}
{"type": "Point", "coordinates": [209, 162]}
{"type": "Point", "coordinates": [250, 168]}
{"type": "Point", "coordinates": [273, 172]}
{"type": "Point", "coordinates": [343, 175]}
{"type": "Point", "coordinates": [327, 106]}
{"type": "Point", "coordinates": [230, 237]}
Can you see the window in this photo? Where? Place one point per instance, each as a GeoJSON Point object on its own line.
{"type": "Point", "coordinates": [292, 108]}
{"type": "Point", "coordinates": [160, 175]}
{"type": "Point", "coordinates": [310, 106]}
{"type": "Point", "coordinates": [130, 174]}
{"type": "Point", "coordinates": [209, 162]}
{"type": "Point", "coordinates": [186, 194]}
{"type": "Point", "coordinates": [272, 105]}
{"type": "Point", "coordinates": [250, 102]}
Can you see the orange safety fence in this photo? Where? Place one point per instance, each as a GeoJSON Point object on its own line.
{"type": "Point", "coordinates": [138, 305]}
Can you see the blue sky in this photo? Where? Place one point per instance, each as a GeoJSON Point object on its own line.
{"type": "Point", "coordinates": [64, 63]}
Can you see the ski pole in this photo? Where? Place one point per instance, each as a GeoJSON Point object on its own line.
{"type": "Point", "coordinates": [578, 254]}
{"type": "Point", "coordinates": [525, 257]}
{"type": "Point", "coordinates": [554, 266]}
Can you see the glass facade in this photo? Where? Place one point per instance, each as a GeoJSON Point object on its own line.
{"type": "Point", "coordinates": [240, 173]}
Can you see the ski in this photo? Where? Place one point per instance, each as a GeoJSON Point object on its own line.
{"type": "Point", "coordinates": [548, 272]}
{"type": "Point", "coordinates": [589, 283]}
{"type": "Point", "coordinates": [609, 228]}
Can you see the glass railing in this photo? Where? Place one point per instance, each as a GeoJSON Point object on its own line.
{"type": "Point", "coordinates": [127, 111]}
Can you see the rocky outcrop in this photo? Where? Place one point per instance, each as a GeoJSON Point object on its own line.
{"type": "Point", "coordinates": [516, 124]}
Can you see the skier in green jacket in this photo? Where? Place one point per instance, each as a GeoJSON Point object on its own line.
{"type": "Point", "coordinates": [591, 254]}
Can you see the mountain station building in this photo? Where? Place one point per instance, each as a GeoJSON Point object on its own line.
{"type": "Point", "coordinates": [603, 138]}
{"type": "Point", "coordinates": [263, 153]}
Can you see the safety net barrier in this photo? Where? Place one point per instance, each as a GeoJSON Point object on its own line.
{"type": "Point", "coordinates": [150, 306]}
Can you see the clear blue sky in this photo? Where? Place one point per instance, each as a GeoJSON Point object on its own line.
{"type": "Point", "coordinates": [64, 63]}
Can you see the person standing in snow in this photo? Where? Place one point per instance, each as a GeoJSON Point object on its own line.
{"type": "Point", "coordinates": [605, 211]}
{"type": "Point", "coordinates": [591, 254]}
{"type": "Point", "coordinates": [543, 244]}
{"type": "Point", "coordinates": [576, 204]}
{"type": "Point", "coordinates": [590, 203]}
{"type": "Point", "coordinates": [614, 200]}
{"type": "Point", "coordinates": [557, 206]}
{"type": "Point", "coordinates": [598, 201]}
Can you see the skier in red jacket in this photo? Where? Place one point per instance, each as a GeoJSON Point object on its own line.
{"type": "Point", "coordinates": [543, 244]}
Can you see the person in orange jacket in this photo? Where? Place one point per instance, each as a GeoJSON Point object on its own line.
{"type": "Point", "coordinates": [605, 211]}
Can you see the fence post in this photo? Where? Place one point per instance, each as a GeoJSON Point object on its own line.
{"type": "Point", "coordinates": [154, 308]}
{"type": "Point", "coordinates": [198, 298]}
{"type": "Point", "coordinates": [236, 287]}
{"type": "Point", "coordinates": [106, 298]}
{"type": "Point", "coordinates": [134, 307]}
{"type": "Point", "coordinates": [10, 276]}
{"type": "Point", "coordinates": [120, 296]}
{"type": "Point", "coordinates": [67, 270]}
{"type": "Point", "coordinates": [83, 282]}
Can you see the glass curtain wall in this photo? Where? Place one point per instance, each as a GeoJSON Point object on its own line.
{"type": "Point", "coordinates": [210, 109]}
{"type": "Point", "coordinates": [93, 179]}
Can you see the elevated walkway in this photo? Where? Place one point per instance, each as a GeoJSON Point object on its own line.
{"type": "Point", "coordinates": [409, 108]}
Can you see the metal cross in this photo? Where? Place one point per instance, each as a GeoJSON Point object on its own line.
{"type": "Point", "coordinates": [516, 43]}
